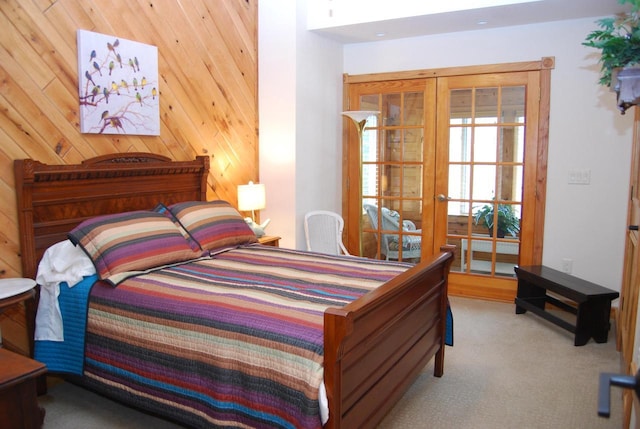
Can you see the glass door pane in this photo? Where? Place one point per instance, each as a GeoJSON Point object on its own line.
{"type": "Point", "coordinates": [486, 158]}
{"type": "Point", "coordinates": [392, 175]}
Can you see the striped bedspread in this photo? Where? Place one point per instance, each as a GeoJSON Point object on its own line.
{"type": "Point", "coordinates": [232, 341]}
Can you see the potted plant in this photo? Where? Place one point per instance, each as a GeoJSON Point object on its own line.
{"type": "Point", "coordinates": [508, 222]}
{"type": "Point", "coordinates": [618, 40]}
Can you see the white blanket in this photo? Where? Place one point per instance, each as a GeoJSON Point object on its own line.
{"type": "Point", "coordinates": [62, 262]}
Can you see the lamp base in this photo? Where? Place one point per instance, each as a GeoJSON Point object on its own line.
{"type": "Point", "coordinates": [258, 230]}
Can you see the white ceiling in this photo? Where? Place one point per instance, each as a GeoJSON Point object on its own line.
{"type": "Point", "coordinates": [468, 20]}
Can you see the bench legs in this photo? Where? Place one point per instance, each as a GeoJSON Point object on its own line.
{"type": "Point", "coordinates": [593, 321]}
{"type": "Point", "coordinates": [532, 294]}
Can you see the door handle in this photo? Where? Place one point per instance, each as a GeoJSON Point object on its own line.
{"type": "Point", "coordinates": [442, 198]}
{"type": "Point", "coordinates": [633, 227]}
{"type": "Point", "coordinates": [607, 380]}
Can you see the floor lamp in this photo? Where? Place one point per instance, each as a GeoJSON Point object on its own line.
{"type": "Point", "coordinates": [359, 118]}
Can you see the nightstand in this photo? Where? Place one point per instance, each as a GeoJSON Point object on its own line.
{"type": "Point", "coordinates": [18, 398]}
{"type": "Point", "coordinates": [269, 240]}
{"type": "Point", "coordinates": [14, 291]}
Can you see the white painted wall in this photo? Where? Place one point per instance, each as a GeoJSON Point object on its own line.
{"type": "Point", "coordinates": [585, 223]}
{"type": "Point", "coordinates": [300, 97]}
{"type": "Point", "coordinates": [277, 103]}
{"type": "Point", "coordinates": [319, 144]}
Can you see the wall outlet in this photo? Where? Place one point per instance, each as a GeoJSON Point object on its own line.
{"type": "Point", "coordinates": [567, 265]}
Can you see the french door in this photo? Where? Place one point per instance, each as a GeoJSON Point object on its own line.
{"type": "Point", "coordinates": [440, 150]}
{"type": "Point", "coordinates": [487, 150]}
{"type": "Point", "coordinates": [393, 169]}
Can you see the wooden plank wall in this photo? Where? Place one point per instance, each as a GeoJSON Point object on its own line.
{"type": "Point", "coordinates": [207, 63]}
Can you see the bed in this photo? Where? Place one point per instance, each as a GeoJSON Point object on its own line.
{"type": "Point", "coordinates": [373, 343]}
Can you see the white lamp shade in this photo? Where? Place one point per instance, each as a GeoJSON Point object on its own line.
{"type": "Point", "coordinates": [251, 197]}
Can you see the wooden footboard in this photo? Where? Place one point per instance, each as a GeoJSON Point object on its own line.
{"type": "Point", "coordinates": [376, 346]}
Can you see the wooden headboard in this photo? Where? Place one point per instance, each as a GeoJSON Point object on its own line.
{"type": "Point", "coordinates": [53, 199]}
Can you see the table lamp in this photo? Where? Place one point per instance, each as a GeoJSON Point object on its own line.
{"type": "Point", "coordinates": [252, 197]}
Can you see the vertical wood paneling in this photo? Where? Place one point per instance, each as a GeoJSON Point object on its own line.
{"type": "Point", "coordinates": [207, 61]}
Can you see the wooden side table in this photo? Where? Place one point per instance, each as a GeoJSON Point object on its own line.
{"type": "Point", "coordinates": [18, 394]}
{"type": "Point", "coordinates": [14, 291]}
{"type": "Point", "coordinates": [269, 240]}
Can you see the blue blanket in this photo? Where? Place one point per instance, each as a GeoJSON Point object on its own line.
{"type": "Point", "coordinates": [448, 335]}
{"type": "Point", "coordinates": [67, 357]}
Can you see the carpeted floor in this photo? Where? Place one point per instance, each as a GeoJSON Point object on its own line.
{"type": "Point", "coordinates": [504, 371]}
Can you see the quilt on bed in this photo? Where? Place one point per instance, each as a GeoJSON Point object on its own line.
{"type": "Point", "coordinates": [235, 338]}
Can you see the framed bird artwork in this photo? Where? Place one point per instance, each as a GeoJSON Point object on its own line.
{"type": "Point", "coordinates": [118, 87]}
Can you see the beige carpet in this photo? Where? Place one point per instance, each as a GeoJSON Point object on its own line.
{"type": "Point", "coordinates": [504, 371]}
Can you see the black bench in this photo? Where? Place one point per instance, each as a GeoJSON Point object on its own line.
{"type": "Point", "coordinates": [593, 302]}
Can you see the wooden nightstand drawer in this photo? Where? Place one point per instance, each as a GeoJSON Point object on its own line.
{"type": "Point", "coordinates": [18, 397]}
{"type": "Point", "coordinates": [269, 240]}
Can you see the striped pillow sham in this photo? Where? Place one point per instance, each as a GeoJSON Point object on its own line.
{"type": "Point", "coordinates": [214, 224]}
{"type": "Point", "coordinates": [161, 208]}
{"type": "Point", "coordinates": [131, 241]}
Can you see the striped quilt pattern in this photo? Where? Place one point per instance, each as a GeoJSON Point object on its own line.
{"type": "Point", "coordinates": [231, 341]}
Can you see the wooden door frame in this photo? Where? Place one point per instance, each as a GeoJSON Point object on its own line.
{"type": "Point", "coordinates": [544, 66]}
{"type": "Point", "coordinates": [626, 316]}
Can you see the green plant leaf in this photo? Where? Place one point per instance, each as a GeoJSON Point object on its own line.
{"type": "Point", "coordinates": [508, 221]}
{"type": "Point", "coordinates": [618, 39]}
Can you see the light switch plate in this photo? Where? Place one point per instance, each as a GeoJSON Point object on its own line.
{"type": "Point", "coordinates": [579, 177]}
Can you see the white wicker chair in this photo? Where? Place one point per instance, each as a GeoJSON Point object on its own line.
{"type": "Point", "coordinates": [411, 244]}
{"type": "Point", "coordinates": [323, 231]}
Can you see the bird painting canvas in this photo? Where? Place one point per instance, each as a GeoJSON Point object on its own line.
{"type": "Point", "coordinates": [118, 88]}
